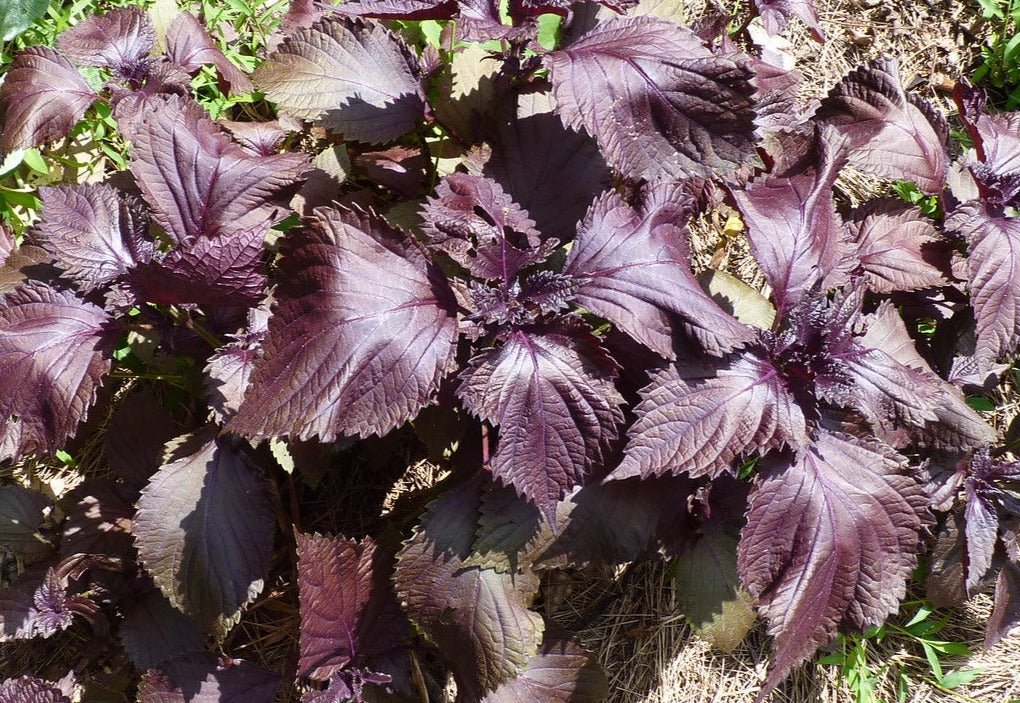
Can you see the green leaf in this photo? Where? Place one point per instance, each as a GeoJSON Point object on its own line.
{"type": "Point", "coordinates": [11, 161]}
{"type": "Point", "coordinates": [34, 160]}
{"type": "Point", "coordinates": [951, 648]}
{"type": "Point", "coordinates": [960, 677]}
{"type": "Point", "coordinates": [992, 8]}
{"type": "Point", "coordinates": [979, 402]}
{"type": "Point", "coordinates": [549, 30]}
{"type": "Point", "coordinates": [933, 660]}
{"type": "Point", "coordinates": [922, 614]}
{"type": "Point", "coordinates": [18, 15]}
{"type": "Point", "coordinates": [431, 32]}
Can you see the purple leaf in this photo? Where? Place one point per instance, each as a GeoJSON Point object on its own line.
{"type": "Point", "coordinates": [95, 234]}
{"type": "Point", "coordinates": [996, 169]}
{"type": "Point", "coordinates": [832, 535]}
{"type": "Point", "coordinates": [659, 103]}
{"type": "Point", "coordinates": [892, 134]}
{"type": "Point", "coordinates": [229, 369]}
{"type": "Point", "coordinates": [400, 9]}
{"type": "Point", "coordinates": [355, 77]}
{"type": "Point", "coordinates": [258, 138]}
{"type": "Point", "coordinates": [196, 179]}
{"type": "Point", "coordinates": [339, 690]}
{"type": "Point", "coordinates": [138, 429]}
{"type": "Point", "coordinates": [601, 523]}
{"type": "Point", "coordinates": [945, 585]}
{"type": "Point", "coordinates": [561, 672]}
{"type": "Point", "coordinates": [634, 270]}
{"type": "Point", "coordinates": [22, 518]}
{"type": "Point", "coordinates": [891, 238]}
{"type": "Point", "coordinates": [153, 631]}
{"type": "Point", "coordinates": [981, 530]}
{"type": "Point", "coordinates": [795, 232]}
{"type": "Point", "coordinates": [994, 244]}
{"type": "Point", "coordinates": [119, 40]}
{"type": "Point", "coordinates": [777, 13]}
{"type": "Point", "coordinates": [38, 604]}
{"type": "Point", "coordinates": [349, 612]}
{"type": "Point", "coordinates": [54, 350]}
{"type": "Point", "coordinates": [98, 521]}
{"type": "Point", "coordinates": [361, 335]}
{"type": "Point", "coordinates": [477, 225]}
{"type": "Point", "coordinates": [985, 492]}
{"type": "Point", "coordinates": [696, 418]}
{"type": "Point", "coordinates": [28, 689]}
{"type": "Point", "coordinates": [882, 375]}
{"type": "Point", "coordinates": [201, 678]}
{"type": "Point", "coordinates": [1006, 613]}
{"type": "Point", "coordinates": [41, 99]}
{"type": "Point", "coordinates": [894, 370]}
{"type": "Point", "coordinates": [552, 396]}
{"type": "Point", "coordinates": [481, 20]}
{"type": "Point", "coordinates": [478, 618]}
{"type": "Point", "coordinates": [221, 269]}
{"type": "Point", "coordinates": [207, 560]}
{"type": "Point", "coordinates": [616, 522]}
{"type": "Point", "coordinates": [190, 46]}
{"type": "Point", "coordinates": [572, 170]}
{"type": "Point", "coordinates": [17, 601]}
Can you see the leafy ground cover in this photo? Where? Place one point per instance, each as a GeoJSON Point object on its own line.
{"type": "Point", "coordinates": [335, 336]}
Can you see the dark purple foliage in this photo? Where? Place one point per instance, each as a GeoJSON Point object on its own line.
{"type": "Point", "coordinates": [96, 234]}
{"type": "Point", "coordinates": [697, 417]}
{"type": "Point", "coordinates": [153, 631]}
{"type": "Point", "coordinates": [202, 678]}
{"type": "Point", "coordinates": [208, 562]}
{"type": "Point", "coordinates": [22, 518]}
{"type": "Point", "coordinates": [552, 396]}
{"type": "Point", "coordinates": [349, 613]}
{"type": "Point", "coordinates": [478, 617]}
{"type": "Point", "coordinates": [777, 13]}
{"type": "Point", "coordinates": [491, 277]}
{"type": "Point", "coordinates": [42, 98]}
{"type": "Point", "coordinates": [552, 172]}
{"type": "Point", "coordinates": [475, 223]}
{"type": "Point", "coordinates": [893, 134]}
{"type": "Point", "coordinates": [791, 218]}
{"type": "Point", "coordinates": [119, 40]}
{"type": "Point", "coordinates": [633, 267]}
{"type": "Point", "coordinates": [357, 78]}
{"type": "Point", "coordinates": [815, 513]}
{"type": "Point", "coordinates": [561, 672]}
{"type": "Point", "coordinates": [196, 180]}
{"type": "Point", "coordinates": [892, 240]}
{"type": "Point", "coordinates": [27, 689]}
{"type": "Point", "coordinates": [189, 45]}
{"type": "Point", "coordinates": [658, 102]}
{"type": "Point", "coordinates": [995, 289]}
{"type": "Point", "coordinates": [1006, 615]}
{"type": "Point", "coordinates": [54, 350]}
{"type": "Point", "coordinates": [345, 352]}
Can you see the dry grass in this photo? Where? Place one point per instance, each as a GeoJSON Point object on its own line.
{"type": "Point", "coordinates": [651, 656]}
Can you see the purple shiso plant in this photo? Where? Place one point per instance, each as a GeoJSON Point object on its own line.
{"type": "Point", "coordinates": [481, 250]}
